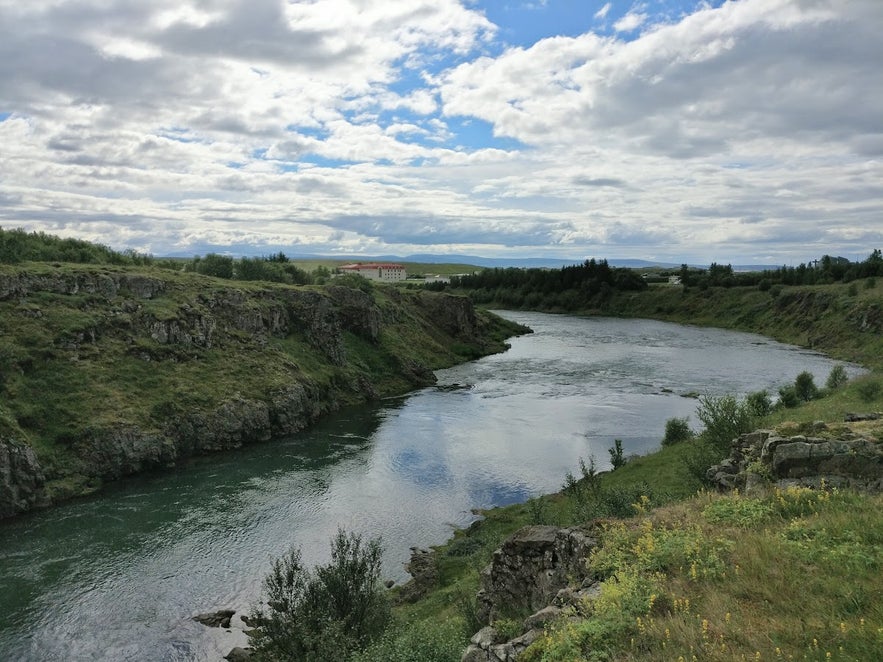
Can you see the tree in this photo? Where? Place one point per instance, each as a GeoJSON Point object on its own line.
{"type": "Point", "coordinates": [805, 387]}
{"type": "Point", "coordinates": [326, 613]}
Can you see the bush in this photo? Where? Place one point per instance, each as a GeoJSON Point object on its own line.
{"type": "Point", "coordinates": [617, 459]}
{"type": "Point", "coordinates": [759, 403]}
{"type": "Point", "coordinates": [422, 641]}
{"type": "Point", "coordinates": [327, 613]}
{"type": "Point", "coordinates": [676, 431]}
{"type": "Point", "coordinates": [788, 397]}
{"type": "Point", "coordinates": [805, 387]}
{"type": "Point", "coordinates": [724, 418]}
{"type": "Point", "coordinates": [869, 390]}
{"type": "Point", "coordinates": [836, 378]}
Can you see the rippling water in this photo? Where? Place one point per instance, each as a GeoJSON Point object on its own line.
{"type": "Point", "coordinates": [118, 576]}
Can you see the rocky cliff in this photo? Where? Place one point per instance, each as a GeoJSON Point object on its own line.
{"type": "Point", "coordinates": [106, 372]}
{"type": "Point", "coordinates": [823, 457]}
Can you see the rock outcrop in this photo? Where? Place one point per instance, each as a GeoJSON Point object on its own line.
{"type": "Point", "coordinates": [844, 459]}
{"type": "Point", "coordinates": [21, 478]}
{"type": "Point", "coordinates": [529, 569]}
{"type": "Point", "coordinates": [424, 575]}
{"type": "Point", "coordinates": [539, 569]}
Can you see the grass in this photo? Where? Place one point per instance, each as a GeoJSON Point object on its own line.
{"type": "Point", "coordinates": [75, 362]}
{"type": "Point", "coordinates": [788, 576]}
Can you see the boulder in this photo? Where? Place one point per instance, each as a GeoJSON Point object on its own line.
{"type": "Point", "coordinates": [529, 569]}
{"type": "Point", "coordinates": [216, 619]}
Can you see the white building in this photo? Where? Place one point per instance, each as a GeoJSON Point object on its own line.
{"type": "Point", "coordinates": [382, 271]}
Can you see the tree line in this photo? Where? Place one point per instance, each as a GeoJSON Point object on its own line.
{"type": "Point", "coordinates": [568, 288]}
{"type": "Point", "coordinates": [18, 246]}
{"type": "Point", "coordinates": [825, 271]}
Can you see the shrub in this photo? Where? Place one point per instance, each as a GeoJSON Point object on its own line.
{"type": "Point", "coordinates": [326, 613]}
{"type": "Point", "coordinates": [219, 266]}
{"type": "Point", "coordinates": [870, 283]}
{"type": "Point", "coordinates": [676, 431]}
{"type": "Point", "coordinates": [422, 641]}
{"type": "Point", "coordinates": [869, 390]}
{"type": "Point", "coordinates": [852, 290]}
{"type": "Point", "coordinates": [776, 290]}
{"type": "Point", "coordinates": [617, 459]}
{"type": "Point", "coordinates": [759, 403]}
{"type": "Point", "coordinates": [724, 418]}
{"type": "Point", "coordinates": [836, 378]}
{"type": "Point", "coordinates": [805, 387]}
{"type": "Point", "coordinates": [788, 396]}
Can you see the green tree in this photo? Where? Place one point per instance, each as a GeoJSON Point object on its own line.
{"type": "Point", "coordinates": [805, 387]}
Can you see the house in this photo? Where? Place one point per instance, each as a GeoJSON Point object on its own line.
{"type": "Point", "coordinates": [382, 271]}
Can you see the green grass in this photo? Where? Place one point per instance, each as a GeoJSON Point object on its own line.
{"type": "Point", "coordinates": [75, 364]}
{"type": "Point", "coordinates": [795, 580]}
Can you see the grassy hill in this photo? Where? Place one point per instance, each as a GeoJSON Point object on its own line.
{"type": "Point", "coordinates": [110, 369]}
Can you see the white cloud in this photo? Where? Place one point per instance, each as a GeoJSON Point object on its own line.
{"type": "Point", "coordinates": [630, 22]}
{"type": "Point", "coordinates": [752, 128]}
{"type": "Point", "coordinates": [601, 14]}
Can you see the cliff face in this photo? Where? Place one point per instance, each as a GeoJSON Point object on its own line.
{"type": "Point", "coordinates": [109, 372]}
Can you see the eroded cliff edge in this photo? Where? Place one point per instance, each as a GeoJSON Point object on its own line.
{"type": "Point", "coordinates": [107, 372]}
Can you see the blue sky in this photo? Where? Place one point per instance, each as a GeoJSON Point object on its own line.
{"type": "Point", "coordinates": [746, 131]}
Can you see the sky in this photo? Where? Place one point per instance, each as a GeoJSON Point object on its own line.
{"type": "Point", "coordinates": [744, 132]}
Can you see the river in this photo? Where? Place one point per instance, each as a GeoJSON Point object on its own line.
{"type": "Point", "coordinates": [118, 576]}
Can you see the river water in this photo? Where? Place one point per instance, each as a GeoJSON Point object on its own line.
{"type": "Point", "coordinates": [118, 576]}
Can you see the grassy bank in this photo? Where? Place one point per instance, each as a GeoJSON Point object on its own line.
{"type": "Point", "coordinates": [111, 369]}
{"type": "Point", "coordinates": [689, 575]}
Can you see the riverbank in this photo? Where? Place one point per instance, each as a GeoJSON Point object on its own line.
{"type": "Point", "coordinates": [108, 371]}
{"type": "Point", "coordinates": [660, 623]}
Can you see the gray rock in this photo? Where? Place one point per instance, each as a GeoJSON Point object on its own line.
{"type": "Point", "coordinates": [216, 619]}
{"type": "Point", "coordinates": [238, 654]}
{"type": "Point", "coordinates": [21, 478]}
{"type": "Point", "coordinates": [486, 637]}
{"type": "Point", "coordinates": [530, 567]}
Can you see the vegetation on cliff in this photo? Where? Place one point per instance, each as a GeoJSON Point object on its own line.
{"type": "Point", "coordinates": [110, 369]}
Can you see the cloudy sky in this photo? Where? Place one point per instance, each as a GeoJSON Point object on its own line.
{"type": "Point", "coordinates": [748, 131]}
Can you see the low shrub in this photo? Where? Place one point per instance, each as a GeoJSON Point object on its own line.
{"type": "Point", "coordinates": [617, 458]}
{"type": "Point", "coordinates": [676, 431]}
{"type": "Point", "coordinates": [759, 403]}
{"type": "Point", "coordinates": [869, 390]}
{"type": "Point", "coordinates": [325, 613]}
{"type": "Point", "coordinates": [836, 378]}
